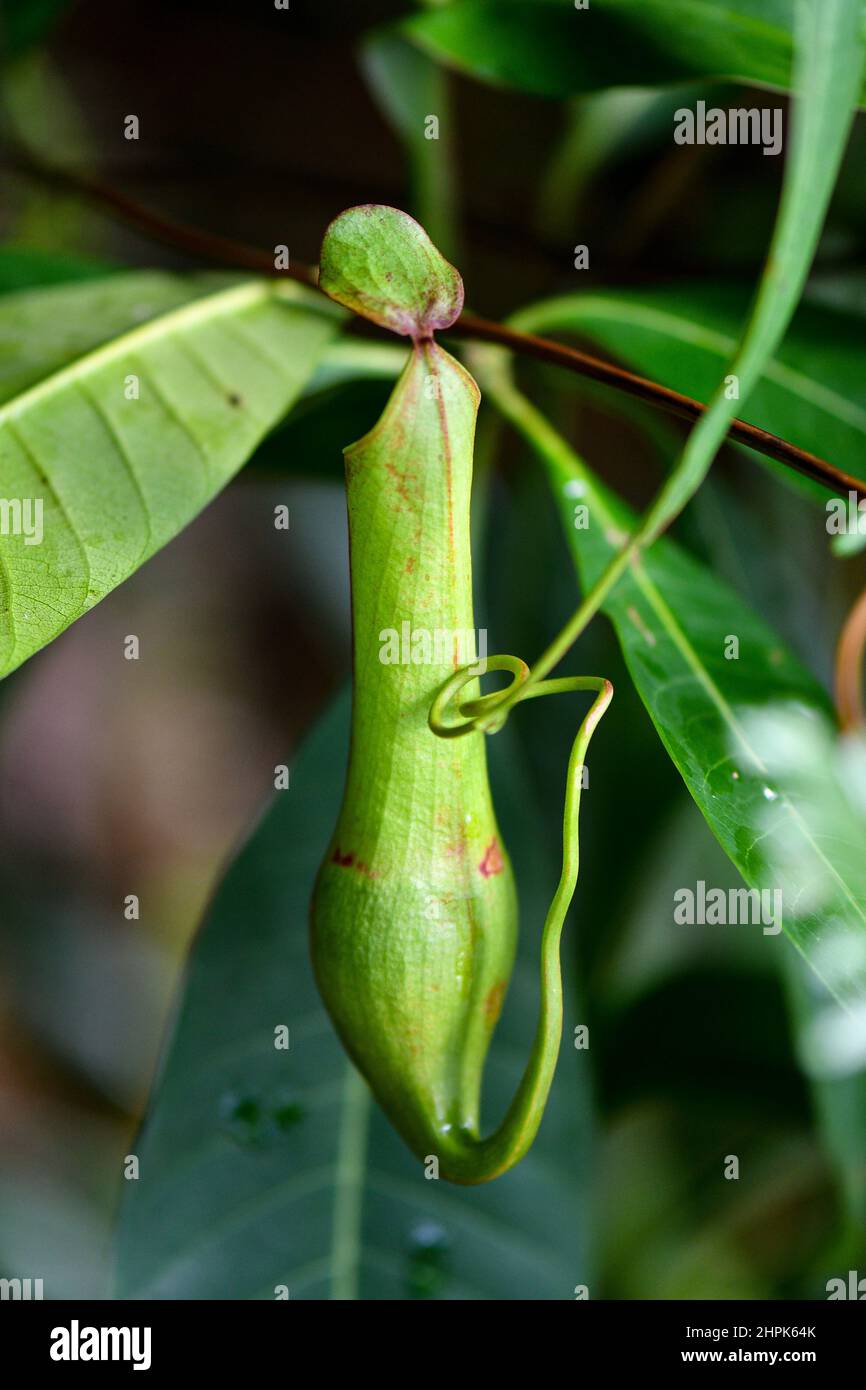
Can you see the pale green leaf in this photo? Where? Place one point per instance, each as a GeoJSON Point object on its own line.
{"type": "Point", "coordinates": [107, 459]}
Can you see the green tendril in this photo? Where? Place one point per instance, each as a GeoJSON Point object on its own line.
{"type": "Point", "coordinates": [471, 1159]}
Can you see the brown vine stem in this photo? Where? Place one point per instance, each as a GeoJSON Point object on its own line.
{"type": "Point", "coordinates": [225, 251]}
{"type": "Point", "coordinates": [674, 402]}
{"type": "Point", "coordinates": [179, 235]}
{"type": "Point", "coordinates": [848, 682]}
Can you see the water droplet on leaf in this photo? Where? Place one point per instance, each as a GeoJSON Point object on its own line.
{"type": "Point", "coordinates": [428, 1260]}
{"type": "Point", "coordinates": [286, 1116]}
{"type": "Point", "coordinates": [242, 1118]}
{"type": "Point", "coordinates": [253, 1121]}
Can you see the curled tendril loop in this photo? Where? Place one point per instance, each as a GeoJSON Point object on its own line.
{"type": "Point", "coordinates": [483, 712]}
{"type": "Point", "coordinates": [449, 718]}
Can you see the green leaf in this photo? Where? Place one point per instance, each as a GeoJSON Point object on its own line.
{"type": "Point", "coordinates": [42, 330]}
{"type": "Point", "coordinates": [26, 267]}
{"type": "Point", "coordinates": [380, 262]}
{"type": "Point", "coordinates": [261, 1167]}
{"type": "Point", "coordinates": [552, 49]}
{"type": "Point", "coordinates": [347, 391]}
{"type": "Point", "coordinates": [114, 454]}
{"type": "Point", "coordinates": [812, 392]}
{"type": "Point", "coordinates": [26, 22]}
{"type": "Point", "coordinates": [716, 714]}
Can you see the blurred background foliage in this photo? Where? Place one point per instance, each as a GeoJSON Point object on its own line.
{"type": "Point", "coordinates": [120, 778]}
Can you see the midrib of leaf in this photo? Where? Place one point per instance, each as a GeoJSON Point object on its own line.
{"type": "Point", "coordinates": [349, 1188]}
{"type": "Point", "coordinates": [564, 312]}
{"type": "Point", "coordinates": [199, 311]}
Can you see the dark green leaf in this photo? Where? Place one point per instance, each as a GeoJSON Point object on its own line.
{"type": "Point", "coordinates": [25, 23]}
{"type": "Point", "coordinates": [551, 48]}
{"type": "Point", "coordinates": [262, 1167]}
{"type": "Point", "coordinates": [812, 393]}
{"type": "Point", "coordinates": [736, 719]}
{"type": "Point", "coordinates": [27, 267]}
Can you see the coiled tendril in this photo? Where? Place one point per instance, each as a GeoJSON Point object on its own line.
{"type": "Point", "coordinates": [487, 714]}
